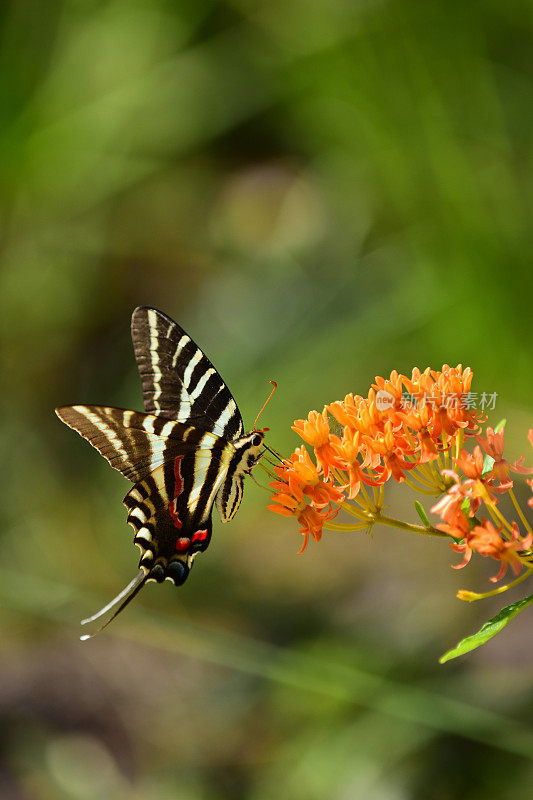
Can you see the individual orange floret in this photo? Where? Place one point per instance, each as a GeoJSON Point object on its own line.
{"type": "Point", "coordinates": [493, 447]}
{"type": "Point", "coordinates": [346, 411]}
{"type": "Point", "coordinates": [450, 504]}
{"type": "Point", "coordinates": [486, 540]}
{"type": "Point", "coordinates": [392, 385]}
{"type": "Point", "coordinates": [392, 447]}
{"type": "Point", "coordinates": [302, 476]}
{"type": "Point", "coordinates": [315, 431]}
{"type": "Point", "coordinates": [459, 529]}
{"type": "Point", "coordinates": [418, 421]}
{"type": "Point", "coordinates": [310, 519]}
{"type": "Point", "coordinates": [352, 459]}
{"type": "Point", "coordinates": [312, 522]}
{"type": "Point", "coordinates": [471, 463]}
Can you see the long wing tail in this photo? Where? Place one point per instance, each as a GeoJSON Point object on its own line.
{"type": "Point", "coordinates": [128, 593]}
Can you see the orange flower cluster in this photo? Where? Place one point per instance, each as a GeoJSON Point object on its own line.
{"type": "Point", "coordinates": [411, 429]}
{"type": "Point", "coordinates": [459, 506]}
{"type": "Point", "coordinates": [403, 423]}
{"type": "Point", "coordinates": [298, 480]}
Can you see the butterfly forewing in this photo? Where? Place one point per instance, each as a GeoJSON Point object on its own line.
{"type": "Point", "coordinates": [135, 444]}
{"type": "Point", "coordinates": [178, 379]}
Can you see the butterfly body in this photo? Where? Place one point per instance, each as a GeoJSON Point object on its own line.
{"type": "Point", "coordinates": [184, 454]}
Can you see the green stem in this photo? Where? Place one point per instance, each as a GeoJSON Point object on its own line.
{"type": "Point", "coordinates": [465, 594]}
{"type": "Point", "coordinates": [408, 526]}
{"type": "Point", "coordinates": [519, 510]}
{"type": "Point", "coordinates": [339, 527]}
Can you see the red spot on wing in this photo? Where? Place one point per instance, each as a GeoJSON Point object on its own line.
{"type": "Point", "coordinates": [173, 505]}
{"type": "Point", "coordinates": [199, 536]}
{"type": "Point", "coordinates": [182, 544]}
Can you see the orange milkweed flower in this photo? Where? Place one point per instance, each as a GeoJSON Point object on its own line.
{"type": "Point", "coordinates": [471, 463]}
{"type": "Point", "coordinates": [442, 392]}
{"type": "Point", "coordinates": [393, 385]}
{"type": "Point", "coordinates": [392, 448]}
{"type": "Point", "coordinates": [346, 411]}
{"type": "Point", "coordinates": [315, 431]}
{"type": "Point", "coordinates": [493, 447]}
{"type": "Point", "coordinates": [303, 478]}
{"type": "Point", "coordinates": [419, 420]}
{"type": "Point", "coordinates": [298, 479]}
{"type": "Point", "coordinates": [348, 450]}
{"type": "Point", "coordinates": [311, 520]}
{"type": "Point", "coordinates": [450, 504]}
{"type": "Point", "coordinates": [486, 540]}
{"type": "Point", "coordinates": [459, 529]}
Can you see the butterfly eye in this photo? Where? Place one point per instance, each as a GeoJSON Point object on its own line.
{"type": "Point", "coordinates": [256, 440]}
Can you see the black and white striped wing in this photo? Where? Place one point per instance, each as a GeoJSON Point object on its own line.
{"type": "Point", "coordinates": [177, 469]}
{"type": "Point", "coordinates": [170, 511]}
{"type": "Point", "coordinates": [135, 444]}
{"type": "Point", "coordinates": [178, 380]}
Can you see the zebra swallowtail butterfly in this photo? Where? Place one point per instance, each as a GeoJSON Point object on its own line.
{"type": "Point", "coordinates": [186, 453]}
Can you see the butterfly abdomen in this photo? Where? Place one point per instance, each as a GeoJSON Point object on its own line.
{"type": "Point", "coordinates": [229, 495]}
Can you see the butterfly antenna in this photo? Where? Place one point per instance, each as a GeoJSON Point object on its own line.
{"type": "Point", "coordinates": [128, 593]}
{"type": "Point", "coordinates": [275, 385]}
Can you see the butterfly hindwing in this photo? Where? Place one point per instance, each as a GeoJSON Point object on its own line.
{"type": "Point", "coordinates": [170, 511]}
{"type": "Point", "coordinates": [178, 379]}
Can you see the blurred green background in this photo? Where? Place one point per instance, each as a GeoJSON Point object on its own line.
{"type": "Point", "coordinates": [319, 191]}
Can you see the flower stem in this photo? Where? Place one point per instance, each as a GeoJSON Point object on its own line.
{"type": "Point", "coordinates": [464, 594]}
{"type": "Point", "coordinates": [408, 526]}
{"type": "Point", "coordinates": [358, 513]}
{"type": "Point", "coordinates": [338, 527]}
{"type": "Point", "coordinates": [446, 452]}
{"type": "Point", "coordinates": [364, 490]}
{"type": "Point", "coordinates": [525, 523]}
{"type": "Point", "coordinates": [416, 488]}
{"type": "Point", "coordinates": [428, 484]}
{"type": "Point", "coordinates": [495, 512]}
{"type": "Point", "coordinates": [459, 443]}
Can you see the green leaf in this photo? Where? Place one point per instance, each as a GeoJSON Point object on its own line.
{"type": "Point", "coordinates": [500, 425]}
{"type": "Point", "coordinates": [465, 506]}
{"type": "Point", "coordinates": [421, 513]}
{"type": "Point", "coordinates": [489, 629]}
{"type": "Point", "coordinates": [488, 463]}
